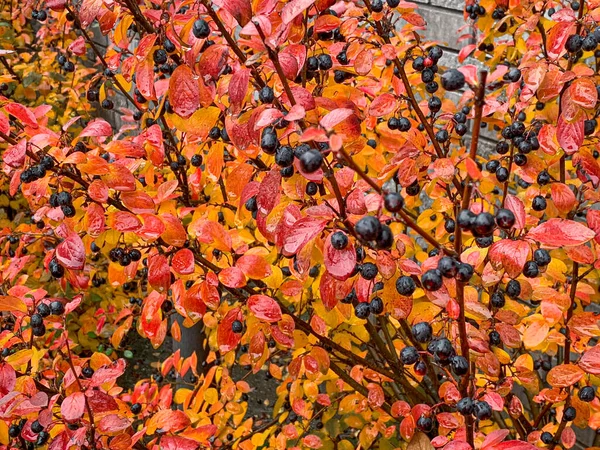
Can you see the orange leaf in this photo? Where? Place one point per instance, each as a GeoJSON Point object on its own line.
{"type": "Point", "coordinates": [564, 375]}
{"type": "Point", "coordinates": [254, 266]}
{"type": "Point", "coordinates": [11, 304]}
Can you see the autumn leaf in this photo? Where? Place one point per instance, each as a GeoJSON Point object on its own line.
{"type": "Point", "coordinates": [561, 232]}
{"type": "Point", "coordinates": [564, 375]}
{"type": "Point", "coordinates": [264, 308]}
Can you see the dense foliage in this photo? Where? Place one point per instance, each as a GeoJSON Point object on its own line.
{"type": "Point", "coordinates": [306, 179]}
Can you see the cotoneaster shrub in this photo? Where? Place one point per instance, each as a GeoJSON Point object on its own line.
{"type": "Point", "coordinates": [306, 179]}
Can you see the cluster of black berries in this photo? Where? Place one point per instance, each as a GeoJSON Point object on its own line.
{"type": "Point", "coordinates": [14, 240]}
{"type": "Point", "coordinates": [178, 163]}
{"type": "Point", "coordinates": [124, 256]}
{"type": "Point", "coordinates": [310, 158]}
{"type": "Point", "coordinates": [524, 142]}
{"type": "Point", "coordinates": [399, 123]}
{"type": "Point", "coordinates": [98, 280]}
{"type": "Point", "coordinates": [460, 121]}
{"type": "Point", "coordinates": [56, 270]}
{"type": "Point", "coordinates": [65, 200]}
{"type": "Point", "coordinates": [427, 65]}
{"type": "Point", "coordinates": [15, 430]}
{"type": "Point", "coordinates": [38, 171]}
{"type": "Point", "coordinates": [322, 62]}
{"type": "Point", "coordinates": [40, 15]}
{"type": "Point", "coordinates": [498, 13]}
{"type": "Point", "coordinates": [64, 62]}
{"type": "Point", "coordinates": [370, 229]}
{"type": "Point", "coordinates": [362, 310]}
{"type": "Point", "coordinates": [218, 133]}
{"type": "Point", "coordinates": [474, 11]}
{"type": "Point", "coordinates": [482, 225]}
{"type": "Point", "coordinates": [433, 279]}
{"type": "Point", "coordinates": [43, 310]}
{"type": "Point", "coordinates": [576, 42]}
{"type": "Point", "coordinates": [377, 5]}
{"type": "Point", "coordinates": [93, 95]}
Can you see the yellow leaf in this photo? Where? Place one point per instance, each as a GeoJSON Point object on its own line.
{"type": "Point", "coordinates": [12, 304]}
{"type": "Point", "coordinates": [502, 356]}
{"type": "Point", "coordinates": [211, 396]}
{"type": "Point", "coordinates": [181, 395]}
{"type": "Point", "coordinates": [19, 359]}
{"type": "Point", "coordinates": [198, 123]}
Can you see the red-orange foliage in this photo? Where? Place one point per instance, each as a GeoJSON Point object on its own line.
{"type": "Point", "coordinates": [293, 176]}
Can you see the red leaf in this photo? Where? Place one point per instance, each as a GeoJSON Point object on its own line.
{"type": "Point", "coordinates": [167, 421]}
{"type": "Point", "coordinates": [264, 308]}
{"type": "Point", "coordinates": [558, 35]}
{"type": "Point", "coordinates": [174, 233]}
{"type": "Point", "coordinates": [232, 277]}
{"type": "Point", "coordinates": [22, 113]}
{"type": "Point", "coordinates": [213, 60]}
{"type": "Point", "coordinates": [289, 65]}
{"type": "Point", "coordinates": [590, 361]}
{"type": "Point", "coordinates": [570, 135]}
{"type": "Point", "coordinates": [14, 156]}
{"type": "Point", "coordinates": [512, 255]}
{"type": "Point", "coordinates": [375, 397]}
{"type": "Point", "coordinates": [568, 437]}
{"type": "Point", "coordinates": [593, 220]}
{"type": "Point", "coordinates": [254, 266]}
{"type": "Point", "coordinates": [113, 423]}
{"type": "Point", "coordinates": [108, 374]}
{"type": "Point", "coordinates": [414, 19]}
{"type": "Point", "coordinates": [583, 92]}
{"type": "Point", "coordinates": [184, 92]}
{"type": "Point", "coordinates": [518, 209]}
{"type": "Point", "coordinates": [8, 379]}
{"type": "Point", "coordinates": [293, 8]}
{"type": "Point", "coordinates": [241, 10]}
{"type": "Point", "coordinates": [561, 232]}
{"type": "Point", "coordinates": [177, 442]}
{"type": "Point", "coordinates": [119, 178]}
{"type": "Point", "coordinates": [382, 105]}
{"type": "Point", "coordinates": [563, 197]}
{"type": "Point", "coordinates": [77, 47]}
{"type": "Point", "coordinates": [364, 62]}
{"type": "Point", "coordinates": [339, 263]}
{"type": "Point", "coordinates": [71, 252]}
{"type": "Point", "coordinates": [333, 290]}
{"type": "Point", "coordinates": [495, 437]}
{"type": "Point", "coordinates": [159, 273]}
{"type": "Point", "coordinates": [238, 87]}
{"type": "Point", "coordinates": [268, 192]}
{"type": "Point", "coordinates": [96, 128]}
{"type": "Point", "coordinates": [125, 221]}
{"type": "Point", "coordinates": [302, 231]}
{"type": "Point", "coordinates": [466, 51]}
{"type": "Point", "coordinates": [226, 338]}
{"type": "Point", "coordinates": [144, 78]}
{"type": "Point", "coordinates": [73, 407]}
{"type": "Point", "coordinates": [183, 261]}
{"type": "Point", "coordinates": [88, 11]}
{"type": "Point", "coordinates": [335, 117]}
